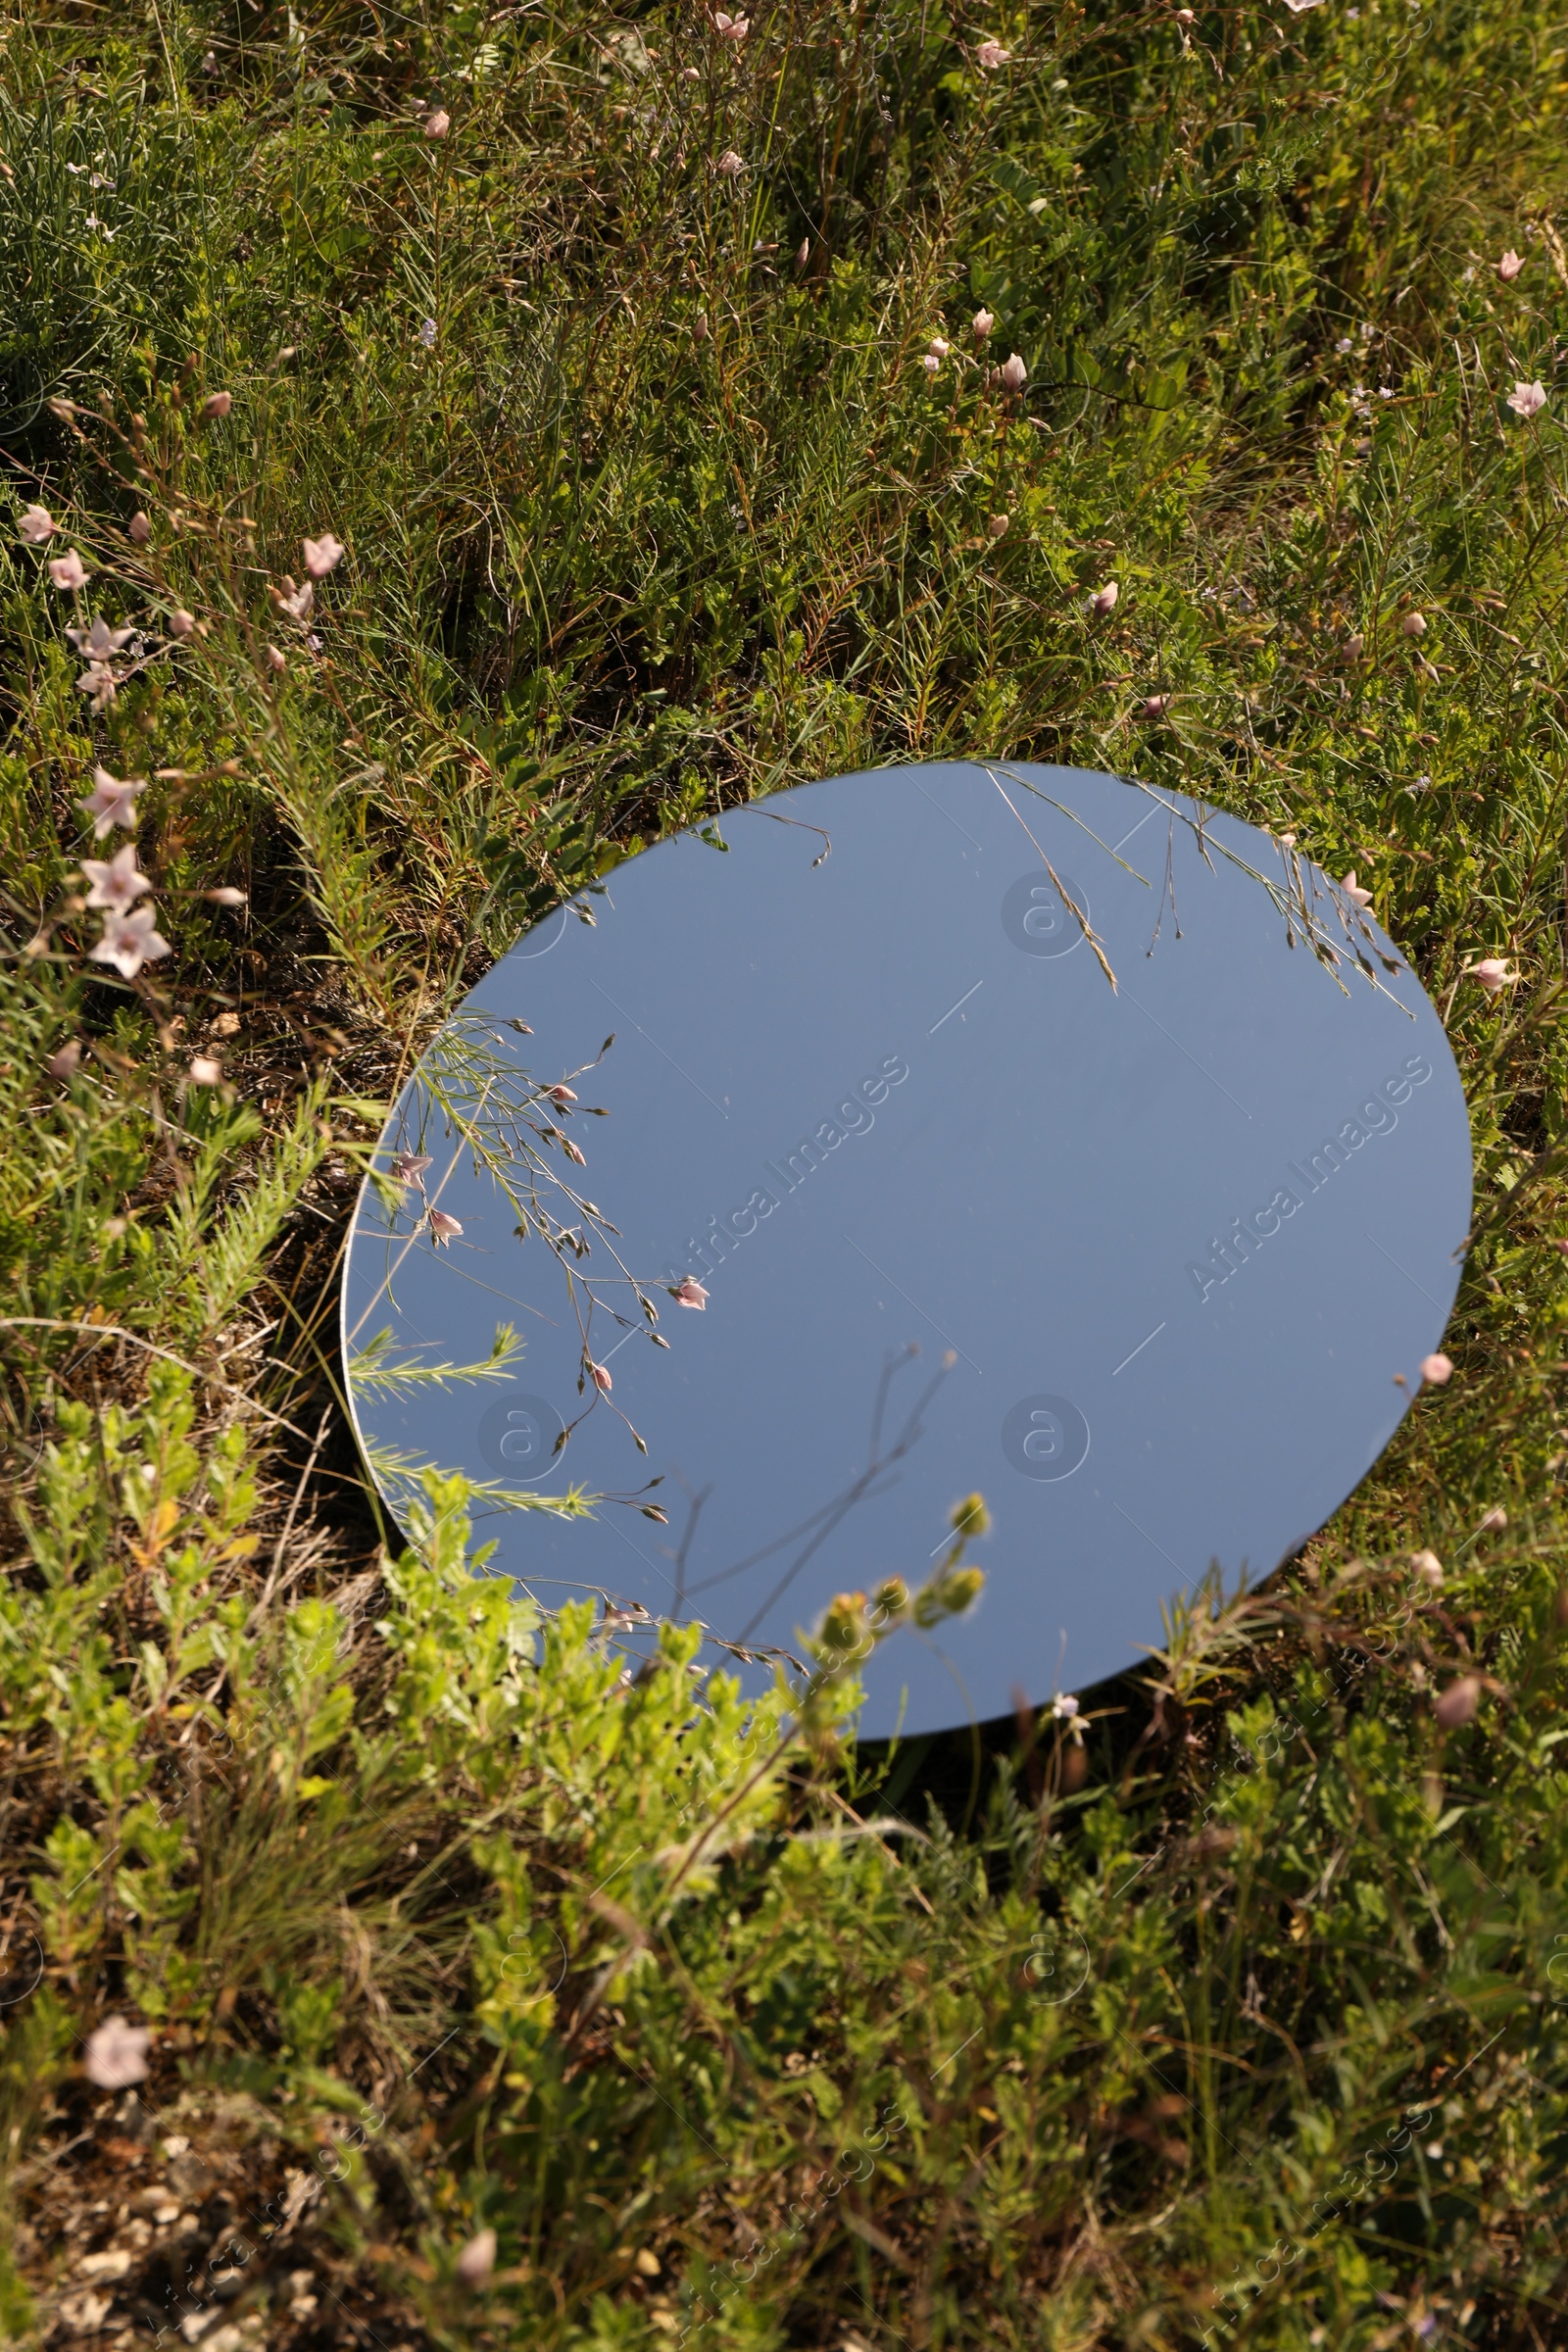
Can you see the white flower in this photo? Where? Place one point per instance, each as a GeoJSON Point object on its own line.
{"type": "Point", "coordinates": [1014, 373]}
{"type": "Point", "coordinates": [69, 571]}
{"type": "Point", "coordinates": [938, 348]}
{"type": "Point", "coordinates": [297, 604]}
{"type": "Point", "coordinates": [982, 323]}
{"type": "Point", "coordinates": [1511, 266]}
{"type": "Point", "coordinates": [37, 525]}
{"type": "Point", "coordinates": [1525, 400]}
{"type": "Point", "coordinates": [443, 1227]}
{"type": "Point", "coordinates": [1064, 1709]}
{"type": "Point", "coordinates": [1354, 891]}
{"type": "Point", "coordinates": [204, 1070]}
{"type": "Point", "coordinates": [116, 881]}
{"type": "Point", "coordinates": [730, 165]}
{"type": "Point", "coordinates": [437, 125]}
{"type": "Point", "coordinates": [129, 940]}
{"type": "Point", "coordinates": [140, 528]}
{"type": "Point", "coordinates": [991, 57]}
{"type": "Point", "coordinates": [1493, 974]}
{"type": "Point", "coordinates": [181, 623]}
{"type": "Point", "coordinates": [930, 362]}
{"type": "Point", "coordinates": [99, 642]}
{"type": "Point", "coordinates": [732, 28]}
{"type": "Point", "coordinates": [99, 682]}
{"type": "Point", "coordinates": [427, 333]}
{"type": "Point", "coordinates": [112, 803]}
{"type": "Point", "coordinates": [117, 2054]}
{"type": "Point", "coordinates": [477, 2258]}
{"type": "Point", "coordinates": [1437, 1371]}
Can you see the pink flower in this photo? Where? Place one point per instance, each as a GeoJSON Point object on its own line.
{"type": "Point", "coordinates": [732, 28]}
{"type": "Point", "coordinates": [730, 165]}
{"type": "Point", "coordinates": [1493, 973]}
{"type": "Point", "coordinates": [930, 362]}
{"type": "Point", "coordinates": [689, 1291]}
{"type": "Point", "coordinates": [129, 940]}
{"type": "Point", "coordinates": [1494, 1522]}
{"type": "Point", "coordinates": [1156, 705]}
{"type": "Point", "coordinates": [477, 2258]}
{"type": "Point", "coordinates": [204, 1070]}
{"type": "Point", "coordinates": [99, 683]}
{"type": "Point", "coordinates": [112, 803]}
{"type": "Point", "coordinates": [1415, 624]}
{"type": "Point", "coordinates": [598, 1375]}
{"type": "Point", "coordinates": [218, 403]}
{"type": "Point", "coordinates": [1353, 646]}
{"type": "Point", "coordinates": [1014, 373]}
{"type": "Point", "coordinates": [116, 881]}
{"type": "Point", "coordinates": [443, 1227]}
{"type": "Point", "coordinates": [409, 1167]}
{"type": "Point", "coordinates": [938, 348]}
{"type": "Point", "coordinates": [1299, 8]}
{"type": "Point", "coordinates": [1354, 891]}
{"type": "Point", "coordinates": [437, 125]}
{"type": "Point", "coordinates": [140, 528]}
{"type": "Point", "coordinates": [117, 2054]}
{"type": "Point", "coordinates": [1437, 1371]}
{"type": "Point", "coordinates": [63, 1064]}
{"type": "Point", "coordinates": [297, 602]}
{"type": "Point", "coordinates": [982, 323]}
{"type": "Point", "coordinates": [99, 642]}
{"type": "Point", "coordinates": [181, 623]}
{"type": "Point", "coordinates": [322, 555]}
{"type": "Point", "coordinates": [278, 658]}
{"type": "Point", "coordinates": [561, 1094]}
{"type": "Point", "coordinates": [1104, 600]}
{"type": "Point", "coordinates": [571, 1152]}
{"type": "Point", "coordinates": [1511, 266]}
{"type": "Point", "coordinates": [37, 525]}
{"type": "Point", "coordinates": [225, 897]}
{"type": "Point", "coordinates": [69, 571]}
{"type": "Point", "coordinates": [991, 57]}
{"type": "Point", "coordinates": [996, 527]}
{"type": "Point", "coordinates": [1428, 1567]}
{"type": "Point", "coordinates": [1527, 400]}
{"type": "Point", "coordinates": [1186, 17]}
{"type": "Point", "coordinates": [1458, 1703]}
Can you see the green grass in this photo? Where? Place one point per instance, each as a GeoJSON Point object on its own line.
{"type": "Point", "coordinates": [1240, 2022]}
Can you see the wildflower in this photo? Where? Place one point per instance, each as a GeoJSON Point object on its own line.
{"type": "Point", "coordinates": [427, 333]}
{"type": "Point", "coordinates": [1344, 344]}
{"type": "Point", "coordinates": [117, 2054]}
{"type": "Point", "coordinates": [297, 602]}
{"type": "Point", "coordinates": [1527, 400]}
{"type": "Point", "coordinates": [571, 1152]}
{"type": "Point", "coordinates": [690, 73]}
{"type": "Point", "coordinates": [1014, 373]}
{"type": "Point", "coordinates": [1428, 1567]}
{"type": "Point", "coordinates": [1415, 624]}
{"type": "Point", "coordinates": [112, 803]}
{"type": "Point", "coordinates": [63, 1064]}
{"type": "Point", "coordinates": [129, 940]}
{"type": "Point", "coordinates": [689, 1291]}
{"type": "Point", "coordinates": [204, 1070]}
{"type": "Point", "coordinates": [1186, 18]}
{"type": "Point", "coordinates": [1156, 705]}
{"type": "Point", "coordinates": [116, 881]}
{"type": "Point", "coordinates": [1104, 600]}
{"type": "Point", "coordinates": [1509, 266]}
{"type": "Point", "coordinates": [1384, 391]}
{"type": "Point", "coordinates": [732, 28]}
{"type": "Point", "coordinates": [1064, 1709]}
{"type": "Point", "coordinates": [730, 165]}
{"type": "Point", "coordinates": [443, 1227]}
{"type": "Point", "coordinates": [99, 642]}
{"type": "Point", "coordinates": [1495, 1520]}
{"type": "Point", "coordinates": [1493, 973]}
{"type": "Point", "coordinates": [930, 362]}
{"type": "Point", "coordinates": [276, 657]}
{"type": "Point", "coordinates": [437, 125]}
{"type": "Point", "coordinates": [477, 2258]}
{"type": "Point", "coordinates": [225, 897]}
{"type": "Point", "coordinates": [218, 403]}
{"type": "Point", "coordinates": [181, 623]}
{"type": "Point", "coordinates": [409, 1167]}
{"type": "Point", "coordinates": [991, 55]}
{"type": "Point", "coordinates": [996, 527]}
{"type": "Point", "coordinates": [561, 1094]}
{"type": "Point", "coordinates": [1353, 646]}
{"type": "Point", "coordinates": [1437, 1371]}
{"type": "Point", "coordinates": [37, 525]}
{"type": "Point", "coordinates": [598, 1375]}
{"type": "Point", "coordinates": [1299, 8]}
{"type": "Point", "coordinates": [100, 683]}
{"type": "Point", "coordinates": [1287, 841]}
{"type": "Point", "coordinates": [982, 323]}
{"type": "Point", "coordinates": [700, 327]}
{"type": "Point", "coordinates": [1354, 891]}
{"type": "Point", "coordinates": [69, 571]}
{"type": "Point", "coordinates": [322, 555]}
{"type": "Point", "coordinates": [140, 528]}
{"type": "Point", "coordinates": [940, 348]}
{"type": "Point", "coordinates": [1458, 1703]}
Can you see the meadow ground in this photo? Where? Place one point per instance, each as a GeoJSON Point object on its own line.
{"type": "Point", "coordinates": [587, 349]}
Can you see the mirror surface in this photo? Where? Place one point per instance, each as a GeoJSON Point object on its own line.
{"type": "Point", "coordinates": [1143, 1259]}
